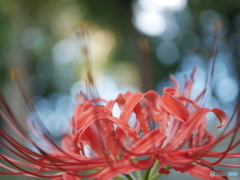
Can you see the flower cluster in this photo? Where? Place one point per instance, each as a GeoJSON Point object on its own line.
{"type": "Point", "coordinates": [153, 132]}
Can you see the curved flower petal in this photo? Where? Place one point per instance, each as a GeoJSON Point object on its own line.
{"type": "Point", "coordinates": [192, 125]}
{"type": "Point", "coordinates": [125, 168]}
{"type": "Point", "coordinates": [174, 107]}
{"type": "Point", "coordinates": [152, 139]}
{"type": "Point", "coordinates": [83, 125]}
{"type": "Point", "coordinates": [69, 176]}
{"type": "Point", "coordinates": [129, 105]}
{"type": "Point", "coordinates": [198, 171]}
{"type": "Point", "coordinates": [222, 117]}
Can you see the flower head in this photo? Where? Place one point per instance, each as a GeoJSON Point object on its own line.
{"type": "Point", "coordinates": [102, 146]}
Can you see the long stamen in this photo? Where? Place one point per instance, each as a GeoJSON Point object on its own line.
{"type": "Point", "coordinates": [93, 92]}
{"type": "Point", "coordinates": [212, 60]}
{"type": "Point", "coordinates": [231, 142]}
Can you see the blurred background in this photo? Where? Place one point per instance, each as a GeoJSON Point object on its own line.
{"type": "Point", "coordinates": [134, 45]}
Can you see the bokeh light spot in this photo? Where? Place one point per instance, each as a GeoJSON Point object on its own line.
{"type": "Point", "coordinates": [150, 23]}
{"type": "Point", "coordinates": [167, 52]}
{"type": "Point", "coordinates": [65, 51]}
{"type": "Point", "coordinates": [227, 89]}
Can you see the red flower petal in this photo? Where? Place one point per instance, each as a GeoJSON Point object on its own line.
{"type": "Point", "coordinates": [125, 168]}
{"type": "Point", "coordinates": [69, 176]}
{"type": "Point", "coordinates": [198, 171]}
{"type": "Point", "coordinates": [193, 124]}
{"type": "Point", "coordinates": [174, 107]}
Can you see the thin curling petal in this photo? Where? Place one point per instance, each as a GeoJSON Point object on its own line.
{"type": "Point", "coordinates": [198, 171]}
{"type": "Point", "coordinates": [163, 171]}
{"type": "Point", "coordinates": [222, 117]}
{"type": "Point", "coordinates": [69, 176]}
{"type": "Point", "coordinates": [152, 139]}
{"type": "Point", "coordinates": [174, 107]}
{"type": "Point", "coordinates": [130, 104]}
{"type": "Point", "coordinates": [117, 169]}
{"type": "Point", "coordinates": [174, 81]}
{"type": "Point", "coordinates": [193, 124]}
{"type": "Point", "coordinates": [125, 168]}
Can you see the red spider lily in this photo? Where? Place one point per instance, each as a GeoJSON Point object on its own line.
{"type": "Point", "coordinates": [102, 146]}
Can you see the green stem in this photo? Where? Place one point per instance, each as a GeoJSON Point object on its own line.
{"type": "Point", "coordinates": [156, 176]}
{"type": "Point", "coordinates": [146, 177]}
{"type": "Point", "coordinates": [119, 178]}
{"type": "Point", "coordinates": [139, 176]}
{"type": "Point", "coordinates": [129, 176]}
{"type": "Point", "coordinates": [154, 168]}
